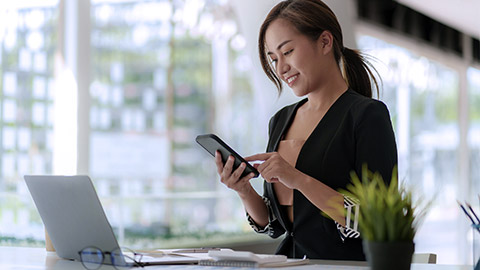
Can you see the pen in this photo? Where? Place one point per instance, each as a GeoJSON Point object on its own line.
{"type": "Point", "coordinates": [473, 212]}
{"type": "Point", "coordinates": [468, 215]}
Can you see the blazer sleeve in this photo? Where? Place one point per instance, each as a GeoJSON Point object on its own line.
{"type": "Point", "coordinates": [375, 140]}
{"type": "Point", "coordinates": [273, 229]}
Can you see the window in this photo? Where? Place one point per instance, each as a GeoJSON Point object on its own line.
{"type": "Point", "coordinates": [422, 96]}
{"type": "Point", "coordinates": [27, 47]}
{"type": "Point", "coordinates": [159, 71]}
{"type": "Point", "coordinates": [473, 77]}
{"type": "Point", "coordinates": [163, 72]}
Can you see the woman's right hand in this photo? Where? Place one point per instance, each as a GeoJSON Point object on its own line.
{"type": "Point", "coordinates": [232, 178]}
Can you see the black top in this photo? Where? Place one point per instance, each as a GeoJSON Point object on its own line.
{"type": "Point", "coordinates": [355, 130]}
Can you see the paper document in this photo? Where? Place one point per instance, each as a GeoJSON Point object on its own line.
{"type": "Point", "coordinates": [176, 256]}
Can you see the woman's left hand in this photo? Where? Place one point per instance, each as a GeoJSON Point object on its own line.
{"type": "Point", "coordinates": [276, 169]}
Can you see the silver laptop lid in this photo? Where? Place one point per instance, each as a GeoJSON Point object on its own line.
{"type": "Point", "coordinates": [72, 213]}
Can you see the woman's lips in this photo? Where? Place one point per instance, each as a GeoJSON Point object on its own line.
{"type": "Point", "coordinates": [291, 80]}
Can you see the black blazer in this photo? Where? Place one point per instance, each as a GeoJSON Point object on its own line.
{"type": "Point", "coordinates": [355, 130]}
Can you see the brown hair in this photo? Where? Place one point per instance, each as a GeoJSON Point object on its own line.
{"type": "Point", "coordinates": [311, 18]}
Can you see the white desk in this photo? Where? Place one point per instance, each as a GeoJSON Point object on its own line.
{"type": "Point", "coordinates": [37, 258]}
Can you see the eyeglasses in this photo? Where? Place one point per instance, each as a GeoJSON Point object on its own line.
{"type": "Point", "coordinates": [92, 258]}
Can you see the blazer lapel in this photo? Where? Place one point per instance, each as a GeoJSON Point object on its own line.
{"type": "Point", "coordinates": [283, 122]}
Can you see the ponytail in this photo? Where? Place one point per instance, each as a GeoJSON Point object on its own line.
{"type": "Point", "coordinates": [358, 72]}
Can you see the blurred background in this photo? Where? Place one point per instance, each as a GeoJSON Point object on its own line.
{"type": "Point", "coordinates": [119, 89]}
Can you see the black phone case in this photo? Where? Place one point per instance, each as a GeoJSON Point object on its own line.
{"type": "Point", "coordinates": [212, 143]}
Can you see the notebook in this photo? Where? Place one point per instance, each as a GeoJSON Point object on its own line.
{"type": "Point", "coordinates": [230, 258]}
{"type": "Point", "coordinates": [75, 219]}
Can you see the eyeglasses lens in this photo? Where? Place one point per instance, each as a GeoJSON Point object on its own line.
{"type": "Point", "coordinates": [121, 259]}
{"type": "Point", "coordinates": [92, 258]}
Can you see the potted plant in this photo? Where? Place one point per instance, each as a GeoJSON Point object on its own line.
{"type": "Point", "coordinates": [388, 219]}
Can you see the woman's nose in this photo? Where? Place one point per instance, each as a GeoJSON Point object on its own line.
{"type": "Point", "coordinates": [283, 67]}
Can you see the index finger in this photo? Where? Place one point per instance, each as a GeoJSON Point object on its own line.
{"type": "Point", "coordinates": [261, 156]}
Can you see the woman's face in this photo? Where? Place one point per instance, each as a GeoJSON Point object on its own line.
{"type": "Point", "coordinates": [298, 61]}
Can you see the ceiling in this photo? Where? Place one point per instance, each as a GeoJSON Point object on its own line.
{"type": "Point", "coordinates": [463, 15]}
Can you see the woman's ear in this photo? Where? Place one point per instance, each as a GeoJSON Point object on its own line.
{"type": "Point", "coordinates": [325, 42]}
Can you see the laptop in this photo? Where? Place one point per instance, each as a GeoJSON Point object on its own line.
{"type": "Point", "coordinates": [74, 217]}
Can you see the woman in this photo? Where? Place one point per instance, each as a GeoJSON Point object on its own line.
{"type": "Point", "coordinates": [316, 143]}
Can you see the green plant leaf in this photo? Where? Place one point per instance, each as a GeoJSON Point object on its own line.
{"type": "Point", "coordinates": [386, 211]}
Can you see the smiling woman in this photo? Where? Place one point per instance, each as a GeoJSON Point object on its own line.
{"type": "Point", "coordinates": [314, 144]}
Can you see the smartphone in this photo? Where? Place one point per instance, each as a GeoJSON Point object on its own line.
{"type": "Point", "coordinates": [212, 143]}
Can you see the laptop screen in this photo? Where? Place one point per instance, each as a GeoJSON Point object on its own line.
{"type": "Point", "coordinates": [72, 213]}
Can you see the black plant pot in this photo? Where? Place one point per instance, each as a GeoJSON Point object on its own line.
{"type": "Point", "coordinates": [389, 255]}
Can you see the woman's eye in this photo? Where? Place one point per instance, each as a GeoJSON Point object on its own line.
{"type": "Point", "coordinates": [273, 61]}
{"type": "Point", "coordinates": [288, 52]}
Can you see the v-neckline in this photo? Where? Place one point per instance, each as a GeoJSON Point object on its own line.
{"type": "Point", "coordinates": [292, 115]}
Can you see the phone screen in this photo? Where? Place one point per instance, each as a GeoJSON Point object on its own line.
{"type": "Point", "coordinates": [212, 143]}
